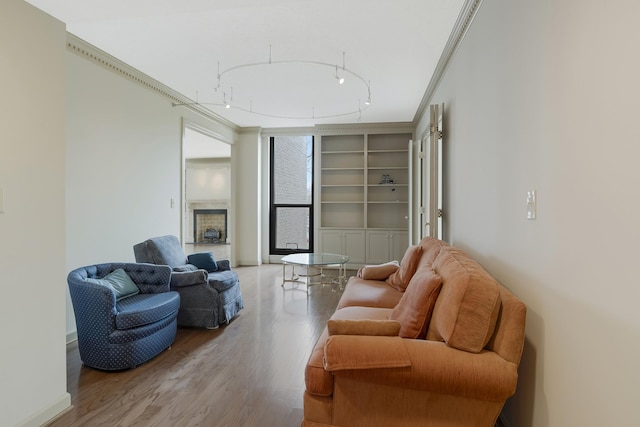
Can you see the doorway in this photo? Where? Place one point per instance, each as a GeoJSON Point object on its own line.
{"type": "Point", "coordinates": [206, 193]}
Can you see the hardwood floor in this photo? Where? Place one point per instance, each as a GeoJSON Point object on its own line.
{"type": "Point", "coordinates": [247, 373]}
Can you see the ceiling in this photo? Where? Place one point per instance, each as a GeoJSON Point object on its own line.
{"type": "Point", "coordinates": [387, 48]}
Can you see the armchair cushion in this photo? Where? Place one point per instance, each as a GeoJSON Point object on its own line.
{"type": "Point", "coordinates": [203, 260]}
{"type": "Point", "coordinates": [120, 282]}
{"type": "Point", "coordinates": [140, 310]}
{"type": "Point", "coordinates": [163, 250]}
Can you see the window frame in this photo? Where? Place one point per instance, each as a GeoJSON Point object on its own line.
{"type": "Point", "coordinates": [273, 207]}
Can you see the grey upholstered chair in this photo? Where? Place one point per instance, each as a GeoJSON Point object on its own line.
{"type": "Point", "coordinates": [209, 290]}
{"type": "Point", "coordinates": [122, 326]}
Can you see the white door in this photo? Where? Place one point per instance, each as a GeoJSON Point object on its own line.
{"type": "Point", "coordinates": [432, 171]}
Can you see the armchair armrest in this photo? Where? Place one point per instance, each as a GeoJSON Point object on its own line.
{"type": "Point", "coordinates": [435, 367]}
{"type": "Point", "coordinates": [188, 278]}
{"type": "Point", "coordinates": [223, 265]}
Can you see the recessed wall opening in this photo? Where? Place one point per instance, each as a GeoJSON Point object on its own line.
{"type": "Point", "coordinates": [207, 224]}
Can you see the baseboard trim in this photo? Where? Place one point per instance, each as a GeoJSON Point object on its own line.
{"type": "Point", "coordinates": [48, 413]}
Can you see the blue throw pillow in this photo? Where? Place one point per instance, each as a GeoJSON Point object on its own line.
{"type": "Point", "coordinates": [120, 282]}
{"type": "Point", "coordinates": [203, 260]}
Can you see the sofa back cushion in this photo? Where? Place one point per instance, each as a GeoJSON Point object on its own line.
{"type": "Point", "coordinates": [467, 308]}
{"type": "Point", "coordinates": [400, 279]}
{"type": "Point", "coordinates": [416, 305]}
{"type": "Point", "coordinates": [431, 248]}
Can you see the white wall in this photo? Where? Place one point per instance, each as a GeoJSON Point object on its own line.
{"type": "Point", "coordinates": [124, 165]}
{"type": "Point", "coordinates": [544, 95]}
{"type": "Point", "coordinates": [208, 179]}
{"type": "Point", "coordinates": [246, 168]}
{"type": "Point", "coordinates": [32, 227]}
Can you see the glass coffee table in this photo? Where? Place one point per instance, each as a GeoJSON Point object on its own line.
{"type": "Point", "coordinates": [314, 260]}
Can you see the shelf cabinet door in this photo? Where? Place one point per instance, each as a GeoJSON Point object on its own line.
{"type": "Point", "coordinates": [344, 242]}
{"type": "Point", "coordinates": [384, 246]}
{"type": "Point", "coordinates": [399, 242]}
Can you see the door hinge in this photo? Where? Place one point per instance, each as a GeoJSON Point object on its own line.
{"type": "Point", "coordinates": [440, 213]}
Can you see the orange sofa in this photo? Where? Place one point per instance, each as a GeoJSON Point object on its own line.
{"type": "Point", "coordinates": [437, 343]}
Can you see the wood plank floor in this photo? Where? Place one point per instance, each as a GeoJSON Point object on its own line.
{"type": "Point", "coordinates": [247, 373]}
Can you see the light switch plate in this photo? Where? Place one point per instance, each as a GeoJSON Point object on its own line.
{"type": "Point", "coordinates": [531, 204]}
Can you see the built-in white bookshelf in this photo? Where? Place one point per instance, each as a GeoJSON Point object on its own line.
{"type": "Point", "coordinates": [364, 195]}
{"type": "Point", "coordinates": [342, 181]}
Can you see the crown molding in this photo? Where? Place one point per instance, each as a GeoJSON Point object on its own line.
{"type": "Point", "coordinates": [289, 131]}
{"type": "Point", "coordinates": [101, 58]}
{"type": "Point", "coordinates": [467, 13]}
{"type": "Point", "coordinates": [250, 130]}
{"type": "Point", "coordinates": [389, 127]}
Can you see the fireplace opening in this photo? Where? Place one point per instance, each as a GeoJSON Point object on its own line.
{"type": "Point", "coordinates": [209, 225]}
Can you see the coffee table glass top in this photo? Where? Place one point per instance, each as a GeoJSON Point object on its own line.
{"type": "Point", "coordinates": [315, 259]}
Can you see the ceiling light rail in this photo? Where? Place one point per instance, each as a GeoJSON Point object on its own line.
{"type": "Point", "coordinates": [340, 73]}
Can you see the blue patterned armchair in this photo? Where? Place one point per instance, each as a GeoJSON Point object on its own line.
{"type": "Point", "coordinates": [125, 313]}
{"type": "Point", "coordinates": [209, 291]}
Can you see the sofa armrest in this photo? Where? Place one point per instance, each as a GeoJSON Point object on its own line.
{"type": "Point", "coordinates": [188, 278]}
{"type": "Point", "coordinates": [435, 367]}
{"type": "Point", "coordinates": [356, 352]}
{"type": "Point", "coordinates": [389, 328]}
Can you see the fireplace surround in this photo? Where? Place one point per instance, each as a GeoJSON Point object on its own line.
{"type": "Point", "coordinates": [210, 225]}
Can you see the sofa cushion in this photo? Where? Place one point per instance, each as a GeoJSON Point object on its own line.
{"type": "Point", "coordinates": [120, 282]}
{"type": "Point", "coordinates": [369, 293]}
{"type": "Point", "coordinates": [400, 279]}
{"type": "Point", "coordinates": [378, 272]}
{"type": "Point", "coordinates": [467, 308]}
{"type": "Point", "coordinates": [387, 328]}
{"type": "Point", "coordinates": [416, 305]}
{"type": "Point", "coordinates": [203, 260]}
{"type": "Point", "coordinates": [143, 309]}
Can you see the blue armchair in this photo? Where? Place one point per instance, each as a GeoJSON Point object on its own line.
{"type": "Point", "coordinates": [120, 327]}
{"type": "Point", "coordinates": [210, 295]}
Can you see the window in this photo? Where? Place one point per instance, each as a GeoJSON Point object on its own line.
{"type": "Point", "coordinates": [291, 210]}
